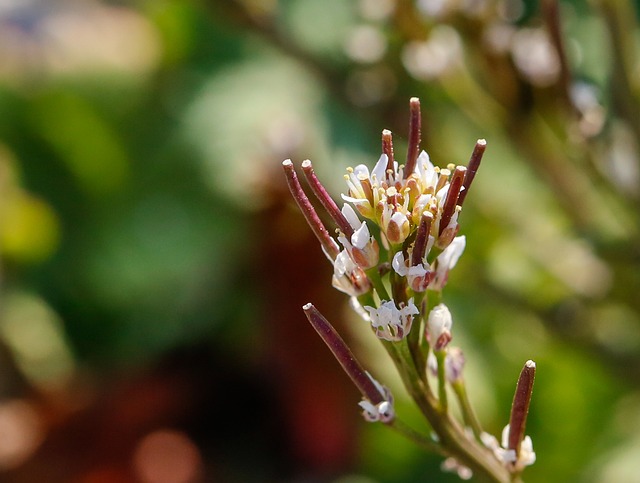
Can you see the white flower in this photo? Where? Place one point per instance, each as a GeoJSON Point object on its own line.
{"type": "Point", "coordinates": [506, 456]}
{"type": "Point", "coordinates": [348, 277]}
{"type": "Point", "coordinates": [526, 456]}
{"type": "Point", "coordinates": [394, 224]}
{"type": "Point", "coordinates": [439, 327]}
{"type": "Point", "coordinates": [390, 322]}
{"type": "Point", "coordinates": [364, 187]}
{"type": "Point", "coordinates": [383, 411]}
{"type": "Point", "coordinates": [418, 277]}
{"type": "Point", "coordinates": [362, 247]}
{"type": "Point", "coordinates": [446, 261]}
{"type": "Point", "coordinates": [426, 172]}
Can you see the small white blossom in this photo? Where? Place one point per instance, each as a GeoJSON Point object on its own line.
{"type": "Point", "coordinates": [418, 277]}
{"type": "Point", "coordinates": [362, 247]}
{"type": "Point", "coordinates": [348, 277]}
{"type": "Point", "coordinates": [439, 327]}
{"type": "Point", "coordinates": [364, 187]}
{"type": "Point", "coordinates": [395, 225]}
{"type": "Point", "coordinates": [390, 322]}
{"type": "Point", "coordinates": [383, 411]}
{"type": "Point", "coordinates": [506, 456]}
{"type": "Point", "coordinates": [426, 173]}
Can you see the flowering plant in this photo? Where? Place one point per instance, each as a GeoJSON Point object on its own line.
{"type": "Point", "coordinates": [397, 240]}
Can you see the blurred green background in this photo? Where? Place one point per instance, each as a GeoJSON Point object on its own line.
{"type": "Point", "coordinates": [153, 268]}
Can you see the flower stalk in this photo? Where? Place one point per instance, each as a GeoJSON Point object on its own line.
{"type": "Point", "coordinates": [414, 211]}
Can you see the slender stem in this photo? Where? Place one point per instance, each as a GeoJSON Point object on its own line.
{"type": "Point", "coordinates": [398, 284]}
{"type": "Point", "coordinates": [414, 338]}
{"type": "Point", "coordinates": [367, 299]}
{"type": "Point", "coordinates": [421, 440]}
{"type": "Point", "coordinates": [468, 414]}
{"type": "Point", "coordinates": [441, 357]}
{"type": "Point", "coordinates": [377, 283]}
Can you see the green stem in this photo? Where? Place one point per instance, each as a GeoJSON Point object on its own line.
{"type": "Point", "coordinates": [367, 299]}
{"type": "Point", "coordinates": [441, 357]}
{"type": "Point", "coordinates": [415, 337]}
{"type": "Point", "coordinates": [421, 440]}
{"type": "Point", "coordinates": [468, 414]}
{"type": "Point", "coordinates": [378, 285]}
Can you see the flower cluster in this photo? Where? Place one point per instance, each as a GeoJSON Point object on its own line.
{"type": "Point", "coordinates": [396, 240]}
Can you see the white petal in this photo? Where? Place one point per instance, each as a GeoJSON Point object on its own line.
{"type": "Point", "coordinates": [449, 257]}
{"type": "Point", "coordinates": [370, 411]}
{"type": "Point", "coordinates": [442, 193]}
{"type": "Point", "coordinates": [489, 440]}
{"type": "Point", "coordinates": [350, 199]}
{"type": "Point", "coordinates": [439, 321]}
{"type": "Point", "coordinates": [410, 309]}
{"type": "Point", "coordinates": [343, 284]}
{"type": "Point", "coordinates": [527, 455]}
{"type": "Point", "coordinates": [424, 163]}
{"type": "Point", "coordinates": [385, 411]}
{"type": "Point", "coordinates": [399, 265]}
{"type": "Point", "coordinates": [361, 172]}
{"type": "Point", "coordinates": [361, 236]}
{"type": "Point", "coordinates": [351, 216]}
{"type": "Point", "coordinates": [343, 264]}
{"type": "Point", "coordinates": [416, 271]}
{"type": "Point", "coordinates": [378, 173]}
{"type": "Point", "coordinates": [505, 436]}
{"type": "Point", "coordinates": [373, 313]}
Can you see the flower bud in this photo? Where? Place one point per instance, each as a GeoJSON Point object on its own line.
{"type": "Point", "coordinates": [395, 225]}
{"type": "Point", "coordinates": [439, 327]}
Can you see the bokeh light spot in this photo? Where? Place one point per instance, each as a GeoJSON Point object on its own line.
{"type": "Point", "coordinates": [167, 456]}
